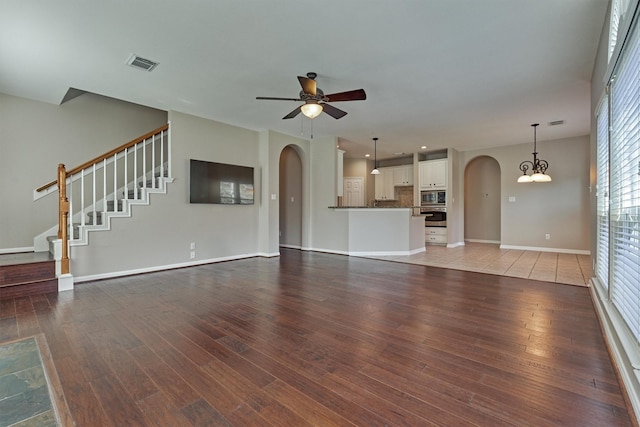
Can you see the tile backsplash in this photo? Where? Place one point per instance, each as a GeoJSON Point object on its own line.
{"type": "Point", "coordinates": [404, 198]}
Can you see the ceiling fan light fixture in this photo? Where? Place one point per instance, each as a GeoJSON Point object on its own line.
{"type": "Point", "coordinates": [311, 110]}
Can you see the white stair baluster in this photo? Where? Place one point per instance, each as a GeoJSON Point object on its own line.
{"type": "Point", "coordinates": [104, 188]}
{"type": "Point", "coordinates": [70, 198]}
{"type": "Point", "coordinates": [93, 192]}
{"type": "Point", "coordinates": [115, 182]}
{"type": "Point", "coordinates": [144, 164]}
{"type": "Point", "coordinates": [82, 206]}
{"type": "Point", "coordinates": [168, 150]}
{"type": "Point", "coordinates": [153, 159]}
{"type": "Point", "coordinates": [135, 171]}
{"type": "Point", "coordinates": [126, 174]}
{"type": "Point", "coordinates": [161, 159]}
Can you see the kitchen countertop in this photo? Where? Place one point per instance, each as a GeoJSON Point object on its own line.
{"type": "Point", "coordinates": [374, 207]}
{"type": "Point", "coordinates": [415, 209]}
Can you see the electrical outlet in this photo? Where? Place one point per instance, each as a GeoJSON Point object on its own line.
{"type": "Point", "coordinates": [193, 254]}
{"type": "Point", "coordinates": [193, 246]}
{"type": "Point", "coordinates": [547, 236]}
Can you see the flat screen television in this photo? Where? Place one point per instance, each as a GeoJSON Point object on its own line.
{"type": "Point", "coordinates": [220, 183]}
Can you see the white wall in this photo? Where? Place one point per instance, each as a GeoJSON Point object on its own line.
{"type": "Point", "coordinates": [35, 137]}
{"type": "Point", "coordinates": [160, 234]}
{"type": "Point", "coordinates": [560, 208]}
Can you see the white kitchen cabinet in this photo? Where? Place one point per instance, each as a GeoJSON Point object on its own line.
{"type": "Point", "coordinates": [384, 189]}
{"type": "Point", "coordinates": [402, 175]}
{"type": "Point", "coordinates": [435, 235]}
{"type": "Point", "coordinates": [433, 174]}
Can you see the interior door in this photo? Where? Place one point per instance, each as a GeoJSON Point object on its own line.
{"type": "Point", "coordinates": [353, 191]}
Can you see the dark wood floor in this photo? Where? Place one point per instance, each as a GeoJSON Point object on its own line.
{"type": "Point", "coordinates": [318, 339]}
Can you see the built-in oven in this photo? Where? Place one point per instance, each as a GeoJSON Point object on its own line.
{"type": "Point", "coordinates": [434, 216]}
{"type": "Point", "coordinates": [433, 197]}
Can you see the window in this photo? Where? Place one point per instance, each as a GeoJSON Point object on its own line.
{"type": "Point", "coordinates": [624, 209]}
{"type": "Point", "coordinates": [602, 193]}
{"type": "Point", "coordinates": [618, 10]}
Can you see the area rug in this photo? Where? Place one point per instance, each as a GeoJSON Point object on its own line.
{"type": "Point", "coordinates": [30, 391]}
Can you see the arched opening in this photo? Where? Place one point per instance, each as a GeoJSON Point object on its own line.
{"type": "Point", "coordinates": [482, 200]}
{"type": "Point", "coordinates": [290, 190]}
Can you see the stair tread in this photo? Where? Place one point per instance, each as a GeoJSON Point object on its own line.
{"type": "Point", "coordinates": [24, 258]}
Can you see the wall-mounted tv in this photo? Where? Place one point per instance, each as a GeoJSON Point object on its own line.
{"type": "Point", "coordinates": [220, 183]}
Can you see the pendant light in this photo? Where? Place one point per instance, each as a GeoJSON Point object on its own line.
{"type": "Point", "coordinates": [311, 109]}
{"type": "Point", "coordinates": [538, 167]}
{"type": "Point", "coordinates": [375, 170]}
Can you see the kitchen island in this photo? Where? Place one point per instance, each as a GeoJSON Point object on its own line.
{"type": "Point", "coordinates": [381, 230]}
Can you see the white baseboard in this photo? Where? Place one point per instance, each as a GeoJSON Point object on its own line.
{"type": "Point", "coordinates": [387, 253]}
{"type": "Point", "coordinates": [540, 249]}
{"type": "Point", "coordinates": [493, 242]}
{"type": "Point", "coordinates": [111, 275]}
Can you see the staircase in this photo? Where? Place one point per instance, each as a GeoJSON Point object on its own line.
{"type": "Point", "coordinates": [27, 274]}
{"type": "Point", "coordinates": [89, 195]}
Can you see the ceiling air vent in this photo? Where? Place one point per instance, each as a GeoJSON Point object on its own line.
{"type": "Point", "coordinates": [141, 63]}
{"type": "Point", "coordinates": [556, 123]}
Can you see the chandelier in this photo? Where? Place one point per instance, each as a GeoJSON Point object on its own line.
{"type": "Point", "coordinates": [538, 167]}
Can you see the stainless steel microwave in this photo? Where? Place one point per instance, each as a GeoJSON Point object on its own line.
{"type": "Point", "coordinates": [433, 198]}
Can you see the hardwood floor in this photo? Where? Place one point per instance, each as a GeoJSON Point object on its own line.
{"type": "Point", "coordinates": [570, 269]}
{"type": "Point", "coordinates": [312, 339]}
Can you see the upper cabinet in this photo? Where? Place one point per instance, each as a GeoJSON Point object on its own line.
{"type": "Point", "coordinates": [402, 175]}
{"type": "Point", "coordinates": [384, 189]}
{"type": "Point", "coordinates": [433, 174]}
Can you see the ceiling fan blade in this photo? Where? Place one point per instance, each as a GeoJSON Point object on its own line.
{"type": "Point", "coordinates": [352, 95]}
{"type": "Point", "coordinates": [308, 85]}
{"type": "Point", "coordinates": [278, 99]}
{"type": "Point", "coordinates": [334, 112]}
{"type": "Point", "coordinates": [292, 114]}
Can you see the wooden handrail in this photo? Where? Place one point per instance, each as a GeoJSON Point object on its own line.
{"type": "Point", "coordinates": [107, 155]}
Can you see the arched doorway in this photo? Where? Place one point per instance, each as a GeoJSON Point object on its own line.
{"type": "Point", "coordinates": [290, 190]}
{"type": "Point", "coordinates": [482, 200]}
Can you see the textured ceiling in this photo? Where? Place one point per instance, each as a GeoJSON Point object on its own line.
{"type": "Point", "coordinates": [457, 73]}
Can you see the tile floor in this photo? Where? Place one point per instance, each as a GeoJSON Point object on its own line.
{"type": "Point", "coordinates": [563, 268]}
{"type": "Point", "coordinates": [24, 393]}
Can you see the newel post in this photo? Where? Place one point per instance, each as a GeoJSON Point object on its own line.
{"type": "Point", "coordinates": [63, 218]}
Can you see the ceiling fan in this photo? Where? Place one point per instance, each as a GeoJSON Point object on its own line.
{"type": "Point", "coordinates": [315, 101]}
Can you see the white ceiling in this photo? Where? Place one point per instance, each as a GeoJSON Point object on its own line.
{"type": "Point", "coordinates": [442, 73]}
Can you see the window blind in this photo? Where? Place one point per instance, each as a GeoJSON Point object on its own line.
{"type": "Point", "coordinates": [625, 184]}
{"type": "Point", "coordinates": [602, 193]}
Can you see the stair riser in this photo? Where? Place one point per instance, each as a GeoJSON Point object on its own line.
{"type": "Point", "coordinates": [29, 289]}
{"type": "Point", "coordinates": [24, 273]}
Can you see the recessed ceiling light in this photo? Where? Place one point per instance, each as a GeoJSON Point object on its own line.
{"type": "Point", "coordinates": [367, 155]}
{"type": "Point", "coordinates": [424, 147]}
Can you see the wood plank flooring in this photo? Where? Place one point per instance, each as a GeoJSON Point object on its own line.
{"type": "Point", "coordinates": [570, 269]}
{"type": "Point", "coordinates": [312, 339]}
